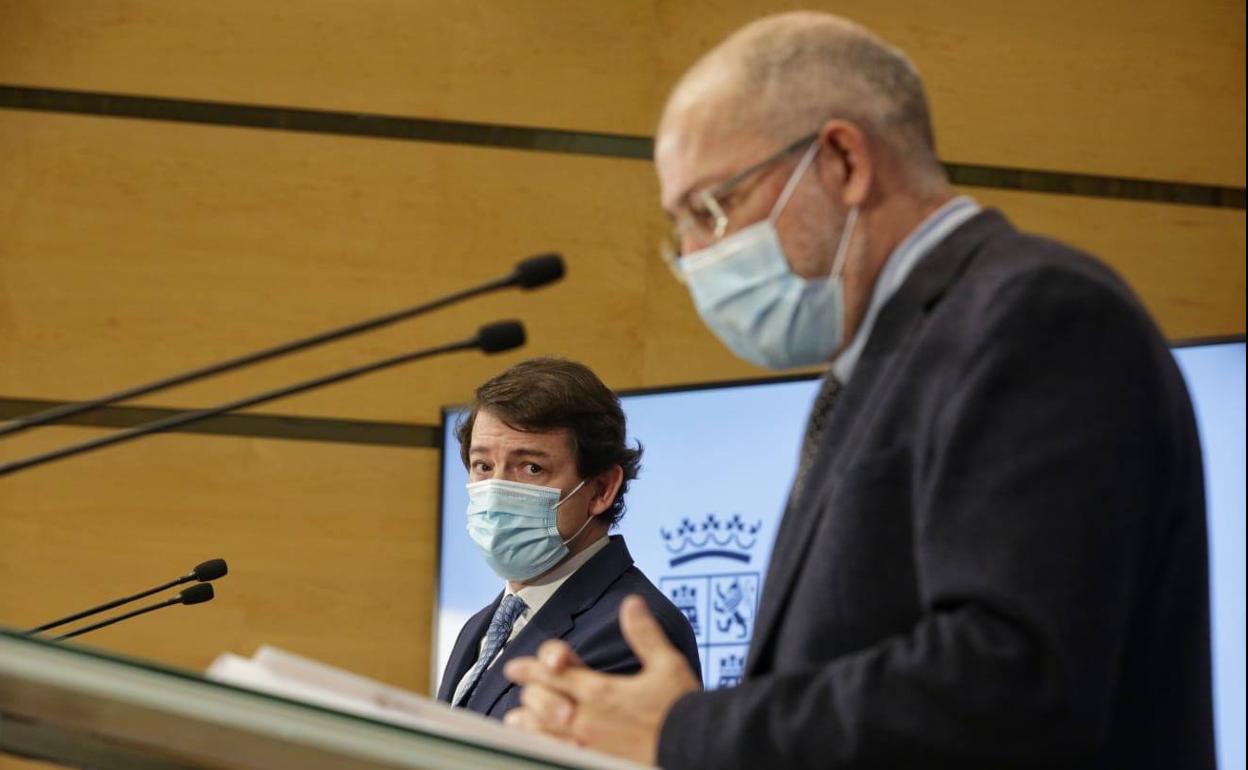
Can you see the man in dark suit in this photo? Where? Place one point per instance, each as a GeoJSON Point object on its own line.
{"type": "Point", "coordinates": [544, 443]}
{"type": "Point", "coordinates": [994, 551]}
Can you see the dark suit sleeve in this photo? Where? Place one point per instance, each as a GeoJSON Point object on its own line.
{"type": "Point", "coordinates": [678, 631]}
{"type": "Point", "coordinates": [607, 651]}
{"type": "Point", "coordinates": [1036, 477]}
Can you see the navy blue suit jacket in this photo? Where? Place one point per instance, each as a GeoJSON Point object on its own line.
{"type": "Point", "coordinates": [998, 560]}
{"type": "Point", "coordinates": [584, 612]}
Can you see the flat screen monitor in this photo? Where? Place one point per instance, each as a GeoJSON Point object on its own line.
{"type": "Point", "coordinates": [716, 469]}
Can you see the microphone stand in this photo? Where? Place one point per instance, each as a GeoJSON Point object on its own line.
{"type": "Point", "coordinates": [492, 338]}
{"type": "Point", "coordinates": [529, 274]}
{"type": "Point", "coordinates": [194, 595]}
{"type": "Point", "coordinates": [205, 572]}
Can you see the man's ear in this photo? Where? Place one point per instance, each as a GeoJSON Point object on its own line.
{"type": "Point", "coordinates": [605, 487]}
{"type": "Point", "coordinates": [852, 162]}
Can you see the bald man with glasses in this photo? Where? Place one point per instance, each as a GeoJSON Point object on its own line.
{"type": "Point", "coordinates": [993, 553]}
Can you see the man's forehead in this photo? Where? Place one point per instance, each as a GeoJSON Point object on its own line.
{"type": "Point", "coordinates": [688, 160]}
{"type": "Point", "coordinates": [701, 142]}
{"type": "Point", "coordinates": [491, 432]}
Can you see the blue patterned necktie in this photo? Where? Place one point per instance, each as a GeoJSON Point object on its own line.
{"type": "Point", "coordinates": [496, 635]}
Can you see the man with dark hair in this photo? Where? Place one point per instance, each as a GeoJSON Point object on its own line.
{"type": "Point", "coordinates": [548, 462]}
{"type": "Point", "coordinates": [993, 553]}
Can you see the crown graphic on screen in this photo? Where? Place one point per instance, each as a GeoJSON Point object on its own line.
{"type": "Point", "coordinates": [713, 537]}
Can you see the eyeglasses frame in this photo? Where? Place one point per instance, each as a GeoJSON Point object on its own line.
{"type": "Point", "coordinates": [712, 196]}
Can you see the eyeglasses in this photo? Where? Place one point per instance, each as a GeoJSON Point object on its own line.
{"type": "Point", "coordinates": [709, 220]}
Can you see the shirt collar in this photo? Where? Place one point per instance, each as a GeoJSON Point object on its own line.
{"type": "Point", "coordinates": [898, 267]}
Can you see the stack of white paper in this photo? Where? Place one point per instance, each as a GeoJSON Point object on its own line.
{"type": "Point", "coordinates": [278, 672]}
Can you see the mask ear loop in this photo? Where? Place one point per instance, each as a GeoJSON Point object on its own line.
{"type": "Point", "coordinates": [579, 531]}
{"type": "Point", "coordinates": [575, 489]}
{"type": "Point", "coordinates": [587, 518]}
{"type": "Point", "coordinates": [791, 185]}
{"type": "Point", "coordinates": [842, 247]}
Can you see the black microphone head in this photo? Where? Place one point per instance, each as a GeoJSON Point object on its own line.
{"type": "Point", "coordinates": [196, 594]}
{"type": "Point", "coordinates": [538, 271]}
{"type": "Point", "coordinates": [210, 570]}
{"type": "Point", "coordinates": [500, 336]}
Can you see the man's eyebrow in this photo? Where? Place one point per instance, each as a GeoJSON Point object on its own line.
{"type": "Point", "coordinates": [518, 452]}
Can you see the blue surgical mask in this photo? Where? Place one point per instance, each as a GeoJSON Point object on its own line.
{"type": "Point", "coordinates": [747, 294]}
{"type": "Point", "coordinates": [516, 526]}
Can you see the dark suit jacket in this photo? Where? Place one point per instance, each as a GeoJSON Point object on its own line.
{"type": "Point", "coordinates": [1000, 558]}
{"type": "Point", "coordinates": [584, 612]}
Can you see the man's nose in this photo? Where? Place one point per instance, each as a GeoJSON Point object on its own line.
{"type": "Point", "coordinates": [495, 474]}
{"type": "Point", "coordinates": [505, 474]}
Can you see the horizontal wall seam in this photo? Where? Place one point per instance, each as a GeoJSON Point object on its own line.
{"type": "Point", "coordinates": [325, 122]}
{"type": "Point", "coordinates": [561, 141]}
{"type": "Point", "coordinates": [350, 431]}
{"type": "Point", "coordinates": [269, 426]}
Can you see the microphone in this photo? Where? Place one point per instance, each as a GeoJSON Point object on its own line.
{"type": "Point", "coordinates": [196, 594]}
{"type": "Point", "coordinates": [203, 572]}
{"type": "Point", "coordinates": [501, 336]}
{"type": "Point", "coordinates": [491, 338]}
{"type": "Point", "coordinates": [538, 271]}
{"type": "Point", "coordinates": [528, 274]}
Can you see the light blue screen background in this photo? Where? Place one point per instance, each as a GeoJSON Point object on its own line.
{"type": "Point", "coordinates": [726, 451]}
{"type": "Point", "coordinates": [1215, 378]}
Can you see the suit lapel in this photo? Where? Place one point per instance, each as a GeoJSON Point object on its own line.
{"type": "Point", "coordinates": [555, 619]}
{"type": "Point", "coordinates": [898, 321]}
{"type": "Point", "coordinates": [464, 653]}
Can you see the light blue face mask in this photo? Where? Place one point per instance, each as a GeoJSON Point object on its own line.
{"type": "Point", "coordinates": [515, 526]}
{"type": "Point", "coordinates": [747, 294]}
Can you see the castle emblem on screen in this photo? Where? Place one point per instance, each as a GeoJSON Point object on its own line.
{"type": "Point", "coordinates": [727, 669]}
{"type": "Point", "coordinates": [684, 594]}
{"type": "Point", "coordinates": [720, 601]}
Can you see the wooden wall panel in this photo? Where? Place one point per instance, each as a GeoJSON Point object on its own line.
{"type": "Point", "coordinates": [331, 548]}
{"type": "Point", "coordinates": [550, 63]}
{"type": "Point", "coordinates": [134, 249]}
{"type": "Point", "coordinates": [1137, 88]}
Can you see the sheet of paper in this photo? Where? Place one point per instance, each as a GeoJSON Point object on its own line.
{"type": "Point", "coordinates": [282, 673]}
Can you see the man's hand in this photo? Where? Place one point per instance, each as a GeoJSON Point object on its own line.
{"type": "Point", "coordinates": [621, 715]}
